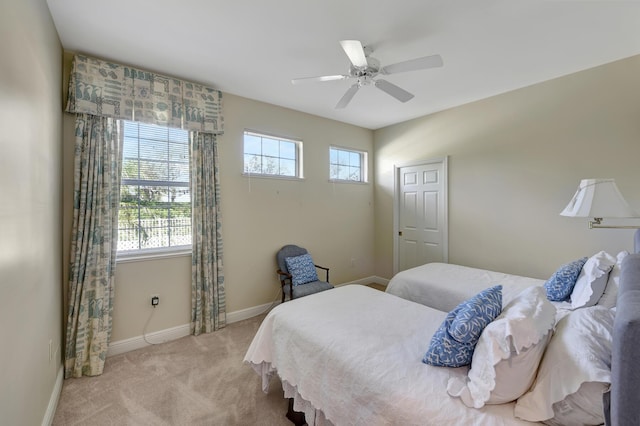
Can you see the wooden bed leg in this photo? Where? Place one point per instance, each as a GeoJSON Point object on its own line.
{"type": "Point", "coordinates": [296, 417]}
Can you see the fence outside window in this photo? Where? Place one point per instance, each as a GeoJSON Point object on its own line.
{"type": "Point", "coordinates": [155, 233]}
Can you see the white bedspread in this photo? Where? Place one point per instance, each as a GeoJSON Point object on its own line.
{"type": "Point", "coordinates": [352, 356]}
{"type": "Point", "coordinates": [443, 286]}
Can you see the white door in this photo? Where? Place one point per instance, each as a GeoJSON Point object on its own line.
{"type": "Point", "coordinates": [421, 214]}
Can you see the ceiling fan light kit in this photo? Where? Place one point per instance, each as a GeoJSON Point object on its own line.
{"type": "Point", "coordinates": [365, 68]}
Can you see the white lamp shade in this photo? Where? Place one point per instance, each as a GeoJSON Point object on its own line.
{"type": "Point", "coordinates": [598, 198]}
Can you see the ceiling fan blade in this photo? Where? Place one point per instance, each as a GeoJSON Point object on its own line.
{"type": "Point", "coordinates": [426, 62]}
{"type": "Point", "coordinates": [355, 52]}
{"type": "Point", "coordinates": [346, 98]}
{"type": "Point", "coordinates": [321, 78]}
{"type": "Point", "coordinates": [393, 90]}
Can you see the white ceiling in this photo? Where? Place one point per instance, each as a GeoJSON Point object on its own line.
{"type": "Point", "coordinates": [253, 48]}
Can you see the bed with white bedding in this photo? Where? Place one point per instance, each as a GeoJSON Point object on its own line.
{"type": "Point", "coordinates": [353, 356]}
{"type": "Point", "coordinates": [443, 286]}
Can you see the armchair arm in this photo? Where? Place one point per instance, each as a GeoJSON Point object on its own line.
{"type": "Point", "coordinates": [284, 276]}
{"type": "Point", "coordinates": [325, 269]}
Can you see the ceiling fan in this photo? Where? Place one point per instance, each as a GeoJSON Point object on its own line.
{"type": "Point", "coordinates": [364, 68]}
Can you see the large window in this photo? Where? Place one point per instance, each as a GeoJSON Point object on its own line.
{"type": "Point", "coordinates": [272, 156]}
{"type": "Point", "coordinates": [347, 165]}
{"type": "Point", "coordinates": [155, 203]}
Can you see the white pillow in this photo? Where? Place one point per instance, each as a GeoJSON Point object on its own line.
{"type": "Point", "coordinates": [592, 280]}
{"type": "Point", "coordinates": [579, 353]}
{"type": "Point", "coordinates": [507, 355]}
{"type": "Point", "coordinates": [610, 296]}
{"type": "Point", "coordinates": [581, 408]}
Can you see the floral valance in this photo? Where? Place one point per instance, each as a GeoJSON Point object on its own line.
{"type": "Point", "coordinates": [103, 88]}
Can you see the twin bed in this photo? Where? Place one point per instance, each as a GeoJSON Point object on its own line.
{"type": "Point", "coordinates": [353, 355]}
{"type": "Point", "coordinates": [443, 286]}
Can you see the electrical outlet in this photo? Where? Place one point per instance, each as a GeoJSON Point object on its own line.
{"type": "Point", "coordinates": [155, 300]}
{"type": "Point", "coordinates": [50, 350]}
{"type": "Point", "coordinates": [353, 262]}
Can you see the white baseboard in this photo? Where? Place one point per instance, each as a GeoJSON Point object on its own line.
{"type": "Point", "coordinates": [380, 280]}
{"type": "Point", "coordinates": [368, 280]}
{"type": "Point", "coordinates": [162, 336]}
{"type": "Point", "coordinates": [156, 337]}
{"type": "Point", "coordinates": [53, 400]}
{"type": "Point", "coordinates": [244, 314]}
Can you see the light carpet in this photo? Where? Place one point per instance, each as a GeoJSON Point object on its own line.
{"type": "Point", "coordinates": [190, 381]}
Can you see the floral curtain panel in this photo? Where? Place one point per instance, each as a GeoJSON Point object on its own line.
{"type": "Point", "coordinates": [93, 244]}
{"type": "Point", "coordinates": [208, 307]}
{"type": "Point", "coordinates": [102, 88]}
{"type": "Point", "coordinates": [100, 94]}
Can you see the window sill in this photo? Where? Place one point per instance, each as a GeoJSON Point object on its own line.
{"type": "Point", "coordinates": [139, 256]}
{"type": "Point", "coordinates": [354, 182]}
{"type": "Point", "coordinates": [278, 177]}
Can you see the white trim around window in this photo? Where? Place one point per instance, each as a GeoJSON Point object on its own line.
{"type": "Point", "coordinates": [348, 165]}
{"type": "Point", "coordinates": [154, 219]}
{"type": "Point", "coordinates": [150, 254]}
{"type": "Point", "coordinates": [271, 156]}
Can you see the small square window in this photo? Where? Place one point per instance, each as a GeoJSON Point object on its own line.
{"type": "Point", "coordinates": [347, 165]}
{"type": "Point", "coordinates": [272, 156]}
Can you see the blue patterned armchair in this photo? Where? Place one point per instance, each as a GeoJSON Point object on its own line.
{"type": "Point", "coordinates": [297, 270]}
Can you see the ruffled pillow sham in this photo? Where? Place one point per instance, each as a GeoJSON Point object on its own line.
{"type": "Point", "coordinates": [508, 352]}
{"type": "Point", "coordinates": [592, 280]}
{"type": "Point", "coordinates": [610, 296]}
{"type": "Point", "coordinates": [576, 368]}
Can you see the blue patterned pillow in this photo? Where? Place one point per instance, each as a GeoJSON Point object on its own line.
{"type": "Point", "coordinates": [301, 269]}
{"type": "Point", "coordinates": [453, 343]}
{"type": "Point", "coordinates": [561, 283]}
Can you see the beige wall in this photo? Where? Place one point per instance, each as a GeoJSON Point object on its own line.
{"type": "Point", "coordinates": [333, 221]}
{"type": "Point", "coordinates": [515, 160]}
{"type": "Point", "coordinates": [30, 244]}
